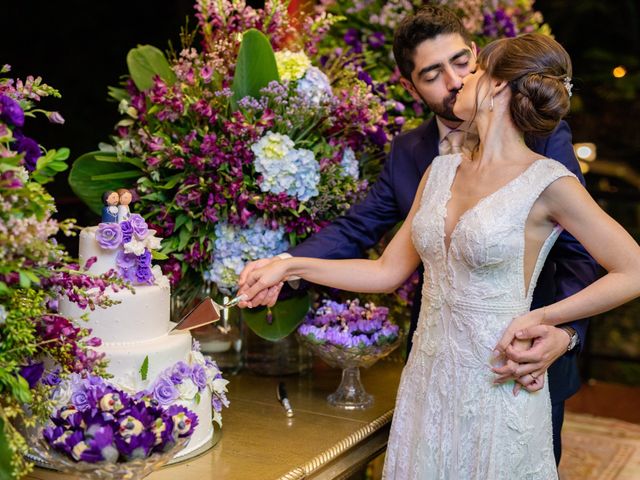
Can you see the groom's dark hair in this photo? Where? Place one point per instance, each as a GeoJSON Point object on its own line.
{"type": "Point", "coordinates": [427, 23]}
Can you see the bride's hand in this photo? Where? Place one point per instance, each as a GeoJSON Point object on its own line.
{"type": "Point", "coordinates": [530, 319]}
{"type": "Point", "coordinates": [261, 279]}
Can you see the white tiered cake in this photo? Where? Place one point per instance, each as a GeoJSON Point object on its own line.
{"type": "Point", "coordinates": [136, 329]}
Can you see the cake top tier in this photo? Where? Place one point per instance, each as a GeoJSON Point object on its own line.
{"type": "Point", "coordinates": [125, 246]}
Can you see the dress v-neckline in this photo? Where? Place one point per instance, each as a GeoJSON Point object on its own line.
{"type": "Point", "coordinates": [447, 246]}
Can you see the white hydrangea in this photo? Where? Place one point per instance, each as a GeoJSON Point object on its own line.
{"type": "Point", "coordinates": [350, 163]}
{"type": "Point", "coordinates": [314, 86]}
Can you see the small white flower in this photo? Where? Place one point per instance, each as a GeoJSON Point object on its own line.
{"type": "Point", "coordinates": [219, 385]}
{"type": "Point", "coordinates": [196, 357]}
{"type": "Point", "coordinates": [62, 394]}
{"type": "Point", "coordinates": [134, 246]}
{"type": "Point", "coordinates": [152, 242]}
{"type": "Point", "coordinates": [187, 389]}
{"type": "Point", "coordinates": [217, 417]}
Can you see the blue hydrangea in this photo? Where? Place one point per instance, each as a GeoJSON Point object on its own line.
{"type": "Point", "coordinates": [234, 246]}
{"type": "Point", "coordinates": [285, 168]}
{"type": "Point", "coordinates": [349, 163]}
{"type": "Point", "coordinates": [314, 86]}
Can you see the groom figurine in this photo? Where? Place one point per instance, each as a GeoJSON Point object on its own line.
{"type": "Point", "coordinates": [434, 52]}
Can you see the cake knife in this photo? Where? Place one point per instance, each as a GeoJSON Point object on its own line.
{"type": "Point", "coordinates": [206, 312]}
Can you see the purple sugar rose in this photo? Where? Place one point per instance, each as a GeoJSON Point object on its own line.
{"type": "Point", "coordinates": [80, 400]}
{"type": "Point", "coordinates": [179, 372]}
{"type": "Point", "coordinates": [164, 391]}
{"type": "Point", "coordinates": [125, 261]}
{"type": "Point", "coordinates": [10, 111]}
{"type": "Point", "coordinates": [144, 260]}
{"type": "Point", "coordinates": [138, 225]}
{"type": "Point", "coordinates": [127, 231]}
{"type": "Point", "coordinates": [109, 235]}
{"type": "Point", "coordinates": [199, 376]}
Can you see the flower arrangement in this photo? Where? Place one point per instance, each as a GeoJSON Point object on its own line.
{"type": "Point", "coordinates": [135, 243]}
{"type": "Point", "coordinates": [243, 147]}
{"type": "Point", "coordinates": [35, 341]}
{"type": "Point", "coordinates": [187, 380]}
{"type": "Point", "coordinates": [366, 36]}
{"type": "Point", "coordinates": [349, 325]}
{"type": "Point", "coordinates": [104, 424]}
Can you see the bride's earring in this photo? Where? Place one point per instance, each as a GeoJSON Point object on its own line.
{"type": "Point", "coordinates": [491, 105]}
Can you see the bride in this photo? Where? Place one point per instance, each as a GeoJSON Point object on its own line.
{"type": "Point", "coordinates": [483, 228]}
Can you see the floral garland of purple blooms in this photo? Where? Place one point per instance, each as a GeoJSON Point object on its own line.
{"type": "Point", "coordinates": [105, 424]}
{"type": "Point", "coordinates": [349, 325]}
{"type": "Point", "coordinates": [133, 261]}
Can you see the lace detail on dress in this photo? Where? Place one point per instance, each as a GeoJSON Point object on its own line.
{"type": "Point", "coordinates": [450, 421]}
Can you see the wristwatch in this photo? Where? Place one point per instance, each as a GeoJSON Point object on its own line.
{"type": "Point", "coordinates": [574, 339]}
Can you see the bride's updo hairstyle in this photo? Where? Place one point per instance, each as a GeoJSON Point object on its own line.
{"type": "Point", "coordinates": [538, 70]}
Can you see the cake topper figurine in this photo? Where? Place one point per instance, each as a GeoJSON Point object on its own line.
{"type": "Point", "coordinates": [125, 198]}
{"type": "Point", "coordinates": [110, 200]}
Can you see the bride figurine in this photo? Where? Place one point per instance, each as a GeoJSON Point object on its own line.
{"type": "Point", "coordinates": [123, 208]}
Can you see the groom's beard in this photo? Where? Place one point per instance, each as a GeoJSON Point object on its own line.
{"type": "Point", "coordinates": [445, 108]}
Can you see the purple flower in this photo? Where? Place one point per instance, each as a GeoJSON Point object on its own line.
{"type": "Point", "coordinates": [376, 40]}
{"type": "Point", "coordinates": [144, 275]}
{"type": "Point", "coordinates": [138, 225]}
{"type": "Point", "coordinates": [10, 111]}
{"type": "Point", "coordinates": [55, 117]}
{"type": "Point", "coordinates": [184, 420]}
{"type": "Point", "coordinates": [199, 376]}
{"type": "Point", "coordinates": [52, 378]}
{"type": "Point", "coordinates": [127, 231]}
{"type": "Point", "coordinates": [126, 261]}
{"type": "Point", "coordinates": [30, 149]}
{"type": "Point", "coordinates": [179, 372]}
{"type": "Point", "coordinates": [32, 373]}
{"type": "Point", "coordinates": [109, 235]}
{"type": "Point", "coordinates": [164, 391]}
{"type": "Point", "coordinates": [80, 400]}
{"type": "Point", "coordinates": [90, 261]}
{"type": "Point", "coordinates": [144, 260]}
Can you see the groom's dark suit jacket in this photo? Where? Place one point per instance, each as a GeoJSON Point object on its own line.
{"type": "Point", "coordinates": [568, 269]}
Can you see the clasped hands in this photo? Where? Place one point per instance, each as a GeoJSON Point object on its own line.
{"type": "Point", "coordinates": [524, 353]}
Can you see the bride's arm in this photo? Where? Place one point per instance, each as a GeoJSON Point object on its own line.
{"type": "Point", "coordinates": [385, 274]}
{"type": "Point", "coordinates": [571, 206]}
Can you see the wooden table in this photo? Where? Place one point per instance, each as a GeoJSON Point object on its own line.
{"type": "Point", "coordinates": [320, 442]}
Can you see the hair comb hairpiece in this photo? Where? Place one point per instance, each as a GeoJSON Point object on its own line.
{"type": "Point", "coordinates": [568, 85]}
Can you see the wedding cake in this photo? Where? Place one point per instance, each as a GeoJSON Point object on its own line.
{"type": "Point", "coordinates": [144, 355]}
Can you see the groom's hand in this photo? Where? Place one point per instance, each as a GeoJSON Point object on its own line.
{"type": "Point", "coordinates": [266, 297]}
{"type": "Point", "coordinates": [548, 344]}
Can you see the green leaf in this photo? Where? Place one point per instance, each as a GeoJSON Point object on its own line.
{"type": "Point", "coordinates": [6, 469]}
{"type": "Point", "coordinates": [117, 175]}
{"type": "Point", "coordinates": [25, 282]}
{"type": "Point", "coordinates": [185, 236]}
{"type": "Point", "coordinates": [156, 255]}
{"type": "Point", "coordinates": [145, 62]}
{"type": "Point", "coordinates": [118, 94]}
{"type": "Point", "coordinates": [255, 66]}
{"type": "Point", "coordinates": [62, 154]}
{"type": "Point", "coordinates": [197, 398]}
{"type": "Point", "coordinates": [287, 315]}
{"type": "Point", "coordinates": [90, 177]}
{"type": "Point", "coordinates": [144, 368]}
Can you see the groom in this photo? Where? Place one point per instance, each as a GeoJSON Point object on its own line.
{"type": "Point", "coordinates": [433, 52]}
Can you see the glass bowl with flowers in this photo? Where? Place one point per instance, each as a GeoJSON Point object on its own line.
{"type": "Point", "coordinates": [349, 336]}
{"type": "Point", "coordinates": [105, 433]}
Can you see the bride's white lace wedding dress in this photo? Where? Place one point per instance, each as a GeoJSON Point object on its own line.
{"type": "Point", "coordinates": [451, 422]}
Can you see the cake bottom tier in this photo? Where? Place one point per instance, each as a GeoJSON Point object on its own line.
{"type": "Point", "coordinates": [169, 364]}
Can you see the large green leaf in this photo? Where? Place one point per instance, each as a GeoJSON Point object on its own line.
{"type": "Point", "coordinates": [256, 66]}
{"type": "Point", "coordinates": [146, 61]}
{"type": "Point", "coordinates": [286, 316]}
{"type": "Point", "coordinates": [6, 470]}
{"type": "Point", "coordinates": [96, 172]}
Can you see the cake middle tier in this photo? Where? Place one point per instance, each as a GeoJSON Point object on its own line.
{"type": "Point", "coordinates": [126, 359]}
{"type": "Point", "coordinates": [138, 317]}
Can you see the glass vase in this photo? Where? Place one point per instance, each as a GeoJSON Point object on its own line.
{"type": "Point", "coordinates": [282, 357]}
